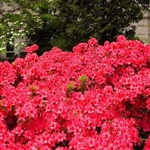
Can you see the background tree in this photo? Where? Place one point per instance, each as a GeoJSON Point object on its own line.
{"type": "Point", "coordinates": [64, 23]}
{"type": "Point", "coordinates": [103, 19]}
{"type": "Point", "coordinates": [11, 23]}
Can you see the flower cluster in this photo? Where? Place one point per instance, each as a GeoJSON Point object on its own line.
{"type": "Point", "coordinates": [31, 48]}
{"type": "Point", "coordinates": [94, 98]}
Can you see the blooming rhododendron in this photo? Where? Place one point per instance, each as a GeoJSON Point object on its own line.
{"type": "Point", "coordinates": [32, 48]}
{"type": "Point", "coordinates": [94, 98]}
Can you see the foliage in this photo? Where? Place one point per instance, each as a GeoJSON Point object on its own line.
{"type": "Point", "coordinates": [101, 19]}
{"type": "Point", "coordinates": [96, 97]}
{"type": "Point", "coordinates": [65, 23]}
{"type": "Point", "coordinates": [11, 25]}
{"type": "Point", "coordinates": [19, 18]}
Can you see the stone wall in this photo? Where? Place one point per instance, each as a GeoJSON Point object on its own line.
{"type": "Point", "coordinates": [143, 28]}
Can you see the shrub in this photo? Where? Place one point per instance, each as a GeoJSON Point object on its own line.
{"type": "Point", "coordinates": [96, 97]}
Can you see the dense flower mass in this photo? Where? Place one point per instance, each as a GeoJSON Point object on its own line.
{"type": "Point", "coordinates": [94, 98]}
{"type": "Point", "coordinates": [32, 48]}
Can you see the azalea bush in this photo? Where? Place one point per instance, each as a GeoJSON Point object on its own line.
{"type": "Point", "coordinates": [94, 98]}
